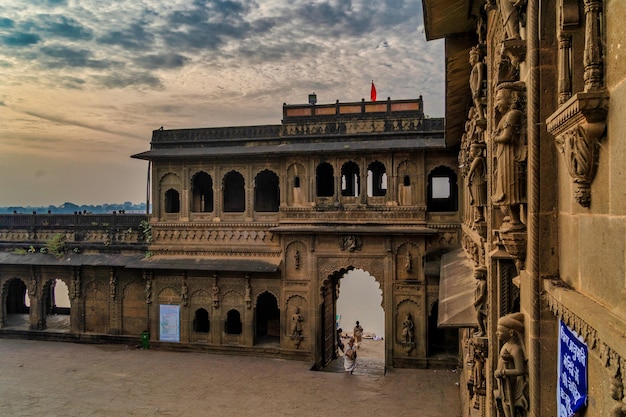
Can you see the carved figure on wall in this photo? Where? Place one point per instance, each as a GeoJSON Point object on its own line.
{"type": "Point", "coordinates": [215, 292]}
{"type": "Point", "coordinates": [349, 243]}
{"type": "Point", "coordinates": [511, 10]}
{"type": "Point", "coordinates": [480, 300]}
{"type": "Point", "coordinates": [478, 77]}
{"type": "Point", "coordinates": [32, 286]}
{"type": "Point", "coordinates": [408, 262]}
{"type": "Point", "coordinates": [476, 383]}
{"type": "Point", "coordinates": [75, 283]}
{"type": "Point", "coordinates": [296, 259]}
{"type": "Point", "coordinates": [184, 292]}
{"type": "Point", "coordinates": [407, 328]}
{"type": "Point", "coordinates": [112, 284]}
{"type": "Point", "coordinates": [296, 326]}
{"type": "Point", "coordinates": [510, 156]}
{"type": "Point", "coordinates": [248, 294]}
{"type": "Point", "coordinates": [477, 181]}
{"type": "Point", "coordinates": [148, 290]}
{"type": "Point", "coordinates": [511, 374]}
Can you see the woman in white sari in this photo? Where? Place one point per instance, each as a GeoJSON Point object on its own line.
{"type": "Point", "coordinates": [349, 357]}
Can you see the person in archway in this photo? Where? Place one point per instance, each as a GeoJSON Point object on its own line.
{"type": "Point", "coordinates": [349, 356]}
{"type": "Point", "coordinates": [340, 344]}
{"type": "Point", "coordinates": [357, 334]}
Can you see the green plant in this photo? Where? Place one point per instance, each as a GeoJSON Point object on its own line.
{"type": "Point", "coordinates": [146, 229]}
{"type": "Point", "coordinates": [56, 245]}
{"type": "Point", "coordinates": [19, 251]}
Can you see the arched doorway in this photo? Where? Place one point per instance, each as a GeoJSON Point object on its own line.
{"type": "Point", "coordinates": [15, 303]}
{"type": "Point", "coordinates": [351, 295]}
{"type": "Point", "coordinates": [56, 305]}
{"type": "Point", "coordinates": [267, 319]}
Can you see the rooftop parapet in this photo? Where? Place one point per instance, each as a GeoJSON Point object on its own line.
{"type": "Point", "coordinates": [355, 110]}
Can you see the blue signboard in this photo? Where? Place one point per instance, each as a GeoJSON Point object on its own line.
{"type": "Point", "coordinates": [572, 392]}
{"type": "Point", "coordinates": [169, 319]}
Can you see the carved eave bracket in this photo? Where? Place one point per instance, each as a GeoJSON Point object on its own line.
{"type": "Point", "coordinates": [578, 127]}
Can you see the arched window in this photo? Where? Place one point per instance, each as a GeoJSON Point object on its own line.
{"type": "Point", "coordinates": [233, 322]}
{"type": "Point", "coordinates": [442, 190]}
{"type": "Point", "coordinates": [376, 179]}
{"type": "Point", "coordinates": [296, 182]}
{"type": "Point", "coordinates": [350, 180]}
{"type": "Point", "coordinates": [202, 193]}
{"type": "Point", "coordinates": [201, 322]}
{"type": "Point", "coordinates": [266, 192]}
{"type": "Point", "coordinates": [325, 180]}
{"type": "Point", "coordinates": [234, 193]}
{"type": "Point", "coordinates": [172, 201]}
{"type": "Point", "coordinates": [406, 181]}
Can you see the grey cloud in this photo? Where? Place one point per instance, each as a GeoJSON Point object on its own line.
{"type": "Point", "coordinates": [342, 18]}
{"type": "Point", "coordinates": [6, 23]}
{"type": "Point", "coordinates": [125, 79]}
{"type": "Point", "coordinates": [60, 26]}
{"type": "Point", "coordinates": [134, 37]}
{"type": "Point", "coordinates": [211, 23]}
{"type": "Point", "coordinates": [164, 61]}
{"type": "Point", "coordinates": [20, 39]}
{"type": "Point", "coordinates": [67, 57]}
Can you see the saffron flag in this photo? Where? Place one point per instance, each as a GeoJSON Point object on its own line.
{"type": "Point", "coordinates": [373, 92]}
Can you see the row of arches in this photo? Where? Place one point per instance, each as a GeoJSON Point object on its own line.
{"type": "Point", "coordinates": [442, 193]}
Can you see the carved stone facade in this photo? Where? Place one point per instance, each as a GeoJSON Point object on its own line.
{"type": "Point", "coordinates": [549, 79]}
{"type": "Point", "coordinates": [252, 229]}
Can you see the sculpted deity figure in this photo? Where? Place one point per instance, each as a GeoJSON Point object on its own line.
{"type": "Point", "coordinates": [296, 324]}
{"type": "Point", "coordinates": [408, 262]}
{"type": "Point", "coordinates": [184, 292]}
{"type": "Point", "coordinates": [510, 11]}
{"type": "Point", "coordinates": [215, 292]}
{"type": "Point", "coordinates": [148, 291]}
{"type": "Point", "coordinates": [511, 375]}
{"type": "Point", "coordinates": [32, 286]}
{"type": "Point", "coordinates": [478, 76]}
{"type": "Point", "coordinates": [112, 284]}
{"type": "Point", "coordinates": [477, 181]}
{"type": "Point", "coordinates": [296, 259]}
{"type": "Point", "coordinates": [407, 329]}
{"type": "Point", "coordinates": [480, 300]}
{"type": "Point", "coordinates": [510, 157]}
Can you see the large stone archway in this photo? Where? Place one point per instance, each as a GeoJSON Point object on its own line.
{"type": "Point", "coordinates": [330, 270]}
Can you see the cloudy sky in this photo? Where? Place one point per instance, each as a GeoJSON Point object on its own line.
{"type": "Point", "coordinates": [85, 82]}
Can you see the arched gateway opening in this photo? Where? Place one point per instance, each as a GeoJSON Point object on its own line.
{"type": "Point", "coordinates": [351, 295]}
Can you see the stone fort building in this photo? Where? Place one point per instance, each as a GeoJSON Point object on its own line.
{"type": "Point", "coordinates": [251, 230]}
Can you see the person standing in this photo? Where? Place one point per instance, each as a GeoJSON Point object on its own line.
{"type": "Point", "coordinates": [349, 356]}
{"type": "Point", "coordinates": [357, 333]}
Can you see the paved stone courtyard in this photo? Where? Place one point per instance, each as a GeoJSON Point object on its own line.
{"type": "Point", "coordinates": [67, 379]}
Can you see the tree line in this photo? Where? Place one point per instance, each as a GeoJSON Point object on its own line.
{"type": "Point", "coordinates": [71, 208]}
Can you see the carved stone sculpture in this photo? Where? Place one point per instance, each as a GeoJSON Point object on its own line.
{"type": "Point", "coordinates": [478, 76]}
{"type": "Point", "coordinates": [480, 300]}
{"type": "Point", "coordinates": [296, 326]}
{"type": "Point", "coordinates": [510, 156]}
{"type": "Point", "coordinates": [215, 292]}
{"type": "Point", "coordinates": [511, 374]}
{"type": "Point", "coordinates": [184, 292]}
{"type": "Point", "coordinates": [511, 10]}
{"type": "Point", "coordinates": [408, 340]}
{"type": "Point", "coordinates": [477, 181]}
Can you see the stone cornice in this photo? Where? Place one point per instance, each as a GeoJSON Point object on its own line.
{"type": "Point", "coordinates": [583, 107]}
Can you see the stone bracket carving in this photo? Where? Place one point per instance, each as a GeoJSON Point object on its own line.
{"type": "Point", "coordinates": [579, 126]}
